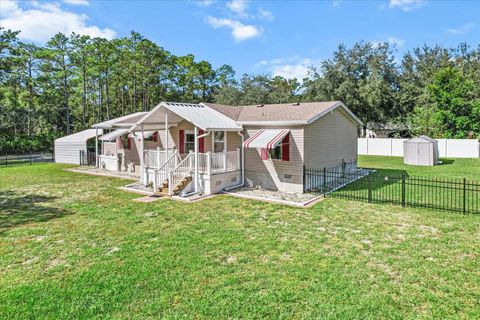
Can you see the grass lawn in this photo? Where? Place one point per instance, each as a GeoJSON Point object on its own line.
{"type": "Point", "coordinates": [451, 168]}
{"type": "Point", "coordinates": [73, 246]}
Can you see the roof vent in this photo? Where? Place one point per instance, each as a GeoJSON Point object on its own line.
{"type": "Point", "coordinates": [296, 104]}
{"type": "Point", "coordinates": [260, 105]}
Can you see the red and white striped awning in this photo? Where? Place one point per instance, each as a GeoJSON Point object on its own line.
{"type": "Point", "coordinates": [266, 139]}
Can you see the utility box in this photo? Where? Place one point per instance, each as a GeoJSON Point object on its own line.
{"type": "Point", "coordinates": [420, 151]}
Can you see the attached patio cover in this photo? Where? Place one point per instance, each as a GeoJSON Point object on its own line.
{"type": "Point", "coordinates": [120, 122]}
{"type": "Point", "coordinates": [200, 115]}
{"type": "Point", "coordinates": [266, 139]}
{"type": "Point", "coordinates": [111, 136]}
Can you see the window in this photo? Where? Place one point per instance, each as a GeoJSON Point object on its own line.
{"type": "Point", "coordinates": [153, 137]}
{"type": "Point", "coordinates": [282, 151]}
{"type": "Point", "coordinates": [189, 142]}
{"type": "Point", "coordinates": [276, 153]}
{"type": "Point", "coordinates": [219, 141]}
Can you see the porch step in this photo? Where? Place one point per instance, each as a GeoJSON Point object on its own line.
{"type": "Point", "coordinates": [163, 189]}
{"type": "Point", "coordinates": [182, 184]}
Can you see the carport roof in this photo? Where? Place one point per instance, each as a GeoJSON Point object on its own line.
{"type": "Point", "coordinates": [120, 122]}
{"type": "Point", "coordinates": [79, 137]}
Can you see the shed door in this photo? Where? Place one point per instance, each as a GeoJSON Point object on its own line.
{"type": "Point", "coordinates": [412, 153]}
{"type": "Point", "coordinates": [424, 155]}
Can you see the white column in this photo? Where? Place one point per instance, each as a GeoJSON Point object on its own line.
{"type": "Point", "coordinates": [142, 156]}
{"type": "Point", "coordinates": [196, 159]}
{"type": "Point", "coordinates": [209, 162]}
{"type": "Point", "coordinates": [166, 130]}
{"type": "Point", "coordinates": [96, 147]}
{"type": "Point", "coordinates": [166, 138]}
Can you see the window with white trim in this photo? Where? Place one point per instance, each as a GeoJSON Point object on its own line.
{"type": "Point", "coordinates": [219, 141]}
{"type": "Point", "coordinates": [189, 142]}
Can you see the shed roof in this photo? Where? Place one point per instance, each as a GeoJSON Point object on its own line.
{"type": "Point", "coordinates": [79, 137]}
{"type": "Point", "coordinates": [421, 138]}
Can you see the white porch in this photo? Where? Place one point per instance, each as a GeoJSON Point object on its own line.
{"type": "Point", "coordinates": [180, 167]}
{"type": "Point", "coordinates": [167, 170]}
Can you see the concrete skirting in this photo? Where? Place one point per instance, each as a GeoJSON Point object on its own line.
{"type": "Point", "coordinates": [305, 204]}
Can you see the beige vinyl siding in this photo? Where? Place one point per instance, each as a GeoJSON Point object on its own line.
{"type": "Point", "coordinates": [233, 139]}
{"type": "Point", "coordinates": [331, 139]}
{"type": "Point", "coordinates": [270, 174]}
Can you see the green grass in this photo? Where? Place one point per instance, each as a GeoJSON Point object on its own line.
{"type": "Point", "coordinates": [450, 168]}
{"type": "Point", "coordinates": [73, 246]}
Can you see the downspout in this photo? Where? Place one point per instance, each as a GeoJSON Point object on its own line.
{"type": "Point", "coordinates": [242, 181]}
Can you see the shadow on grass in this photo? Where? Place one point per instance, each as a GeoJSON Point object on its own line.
{"type": "Point", "coordinates": [17, 209]}
{"type": "Point", "coordinates": [445, 161]}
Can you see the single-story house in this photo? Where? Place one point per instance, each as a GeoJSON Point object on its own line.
{"type": "Point", "coordinates": [184, 148]}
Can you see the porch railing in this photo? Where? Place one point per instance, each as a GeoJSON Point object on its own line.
{"type": "Point", "coordinates": [182, 170]}
{"type": "Point", "coordinates": [219, 162]}
{"type": "Point", "coordinates": [161, 174]}
{"type": "Point", "coordinates": [154, 159]}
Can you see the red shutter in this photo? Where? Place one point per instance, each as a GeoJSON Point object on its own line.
{"type": "Point", "coordinates": [264, 153]}
{"type": "Point", "coordinates": [155, 136]}
{"type": "Point", "coordinates": [286, 148]}
{"type": "Point", "coordinates": [181, 144]}
{"type": "Point", "coordinates": [201, 142]}
{"type": "Point", "coordinates": [129, 143]}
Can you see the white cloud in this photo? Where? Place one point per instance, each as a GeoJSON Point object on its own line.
{"type": "Point", "coordinates": [77, 2]}
{"type": "Point", "coordinates": [461, 30]}
{"type": "Point", "coordinates": [390, 40]}
{"type": "Point", "coordinates": [407, 5]}
{"type": "Point", "coordinates": [287, 71]}
{"type": "Point", "coordinates": [289, 68]}
{"type": "Point", "coordinates": [204, 3]}
{"type": "Point", "coordinates": [265, 14]}
{"type": "Point", "coordinates": [44, 20]}
{"type": "Point", "coordinates": [336, 3]}
{"type": "Point", "coordinates": [240, 31]}
{"type": "Point", "coordinates": [238, 6]}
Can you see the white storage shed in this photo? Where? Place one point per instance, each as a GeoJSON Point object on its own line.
{"type": "Point", "coordinates": [67, 149]}
{"type": "Point", "coordinates": [420, 151]}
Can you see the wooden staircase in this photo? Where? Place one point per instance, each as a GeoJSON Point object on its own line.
{"type": "Point", "coordinates": [163, 188]}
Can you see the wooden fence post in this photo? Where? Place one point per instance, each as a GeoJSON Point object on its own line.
{"type": "Point", "coordinates": [403, 190]}
{"type": "Point", "coordinates": [6, 158]}
{"type": "Point", "coordinates": [30, 155]}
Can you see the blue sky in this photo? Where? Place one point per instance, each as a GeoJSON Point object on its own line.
{"type": "Point", "coordinates": [276, 37]}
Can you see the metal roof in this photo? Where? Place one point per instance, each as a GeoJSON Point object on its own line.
{"type": "Point", "coordinates": [79, 137]}
{"type": "Point", "coordinates": [125, 121]}
{"type": "Point", "coordinates": [200, 115]}
{"type": "Point", "coordinates": [113, 135]}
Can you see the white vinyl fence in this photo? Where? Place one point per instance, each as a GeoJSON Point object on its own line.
{"type": "Point", "coordinates": [447, 148]}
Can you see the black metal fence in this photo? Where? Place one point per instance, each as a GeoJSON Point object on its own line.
{"type": "Point", "coordinates": [87, 158]}
{"type": "Point", "coordinates": [7, 159]}
{"type": "Point", "coordinates": [458, 195]}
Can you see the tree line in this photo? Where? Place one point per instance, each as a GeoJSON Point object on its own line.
{"type": "Point", "coordinates": [74, 81]}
